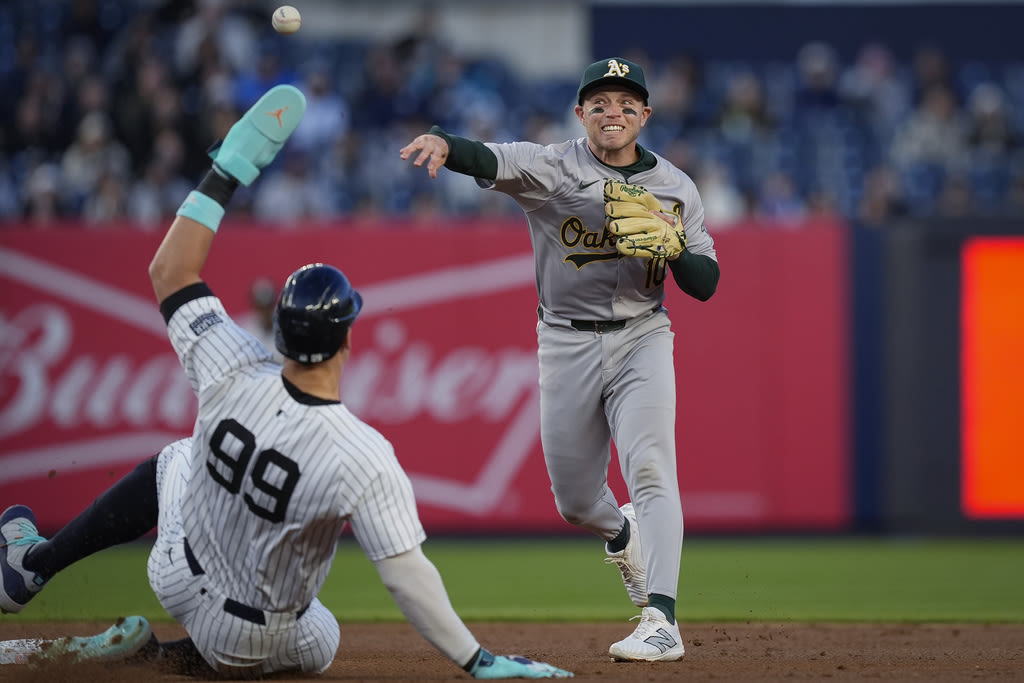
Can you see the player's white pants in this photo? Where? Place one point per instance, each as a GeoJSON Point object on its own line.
{"type": "Point", "coordinates": [235, 647]}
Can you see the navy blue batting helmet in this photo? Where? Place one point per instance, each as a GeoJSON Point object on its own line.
{"type": "Point", "coordinates": [316, 307]}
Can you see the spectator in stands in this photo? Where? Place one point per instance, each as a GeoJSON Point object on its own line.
{"type": "Point", "coordinates": [930, 67]}
{"type": "Point", "coordinates": [873, 88]}
{"type": "Point", "coordinates": [290, 195]}
{"type": "Point", "coordinates": [724, 205]}
{"type": "Point", "coordinates": [157, 194]}
{"type": "Point", "coordinates": [676, 87]}
{"type": "Point", "coordinates": [935, 134]}
{"type": "Point", "coordinates": [34, 131]}
{"type": "Point", "coordinates": [133, 106]}
{"type": "Point", "coordinates": [327, 114]}
{"type": "Point", "coordinates": [91, 96]}
{"type": "Point", "coordinates": [214, 22]}
{"type": "Point", "coordinates": [41, 196]}
{"type": "Point", "coordinates": [265, 71]}
{"type": "Point", "coordinates": [990, 131]}
{"type": "Point", "coordinates": [882, 197]}
{"type": "Point", "coordinates": [744, 116]}
{"type": "Point", "coordinates": [778, 200]}
{"type": "Point", "coordinates": [107, 204]}
{"type": "Point", "coordinates": [818, 75]}
{"type": "Point", "coordinates": [94, 152]}
{"type": "Point", "coordinates": [380, 96]}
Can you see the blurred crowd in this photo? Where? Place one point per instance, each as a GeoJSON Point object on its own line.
{"type": "Point", "coordinates": [109, 107]}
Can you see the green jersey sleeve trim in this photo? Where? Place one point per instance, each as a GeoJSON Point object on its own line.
{"type": "Point", "coordinates": [468, 156]}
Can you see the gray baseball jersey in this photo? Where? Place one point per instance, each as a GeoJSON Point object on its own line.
{"type": "Point", "coordinates": [273, 477]}
{"type": "Point", "coordinates": [580, 275]}
{"type": "Point", "coordinates": [598, 387]}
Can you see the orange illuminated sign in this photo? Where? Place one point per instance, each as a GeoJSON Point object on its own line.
{"type": "Point", "coordinates": [992, 378]}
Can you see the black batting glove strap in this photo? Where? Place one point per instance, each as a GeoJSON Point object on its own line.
{"type": "Point", "coordinates": [217, 187]}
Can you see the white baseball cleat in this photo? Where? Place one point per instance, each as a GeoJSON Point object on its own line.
{"type": "Point", "coordinates": [630, 560]}
{"type": "Point", "coordinates": [654, 640]}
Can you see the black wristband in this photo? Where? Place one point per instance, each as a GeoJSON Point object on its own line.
{"type": "Point", "coordinates": [217, 187]}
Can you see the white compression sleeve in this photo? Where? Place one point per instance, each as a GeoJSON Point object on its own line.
{"type": "Point", "coordinates": [417, 588]}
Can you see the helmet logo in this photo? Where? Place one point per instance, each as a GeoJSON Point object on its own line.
{"type": "Point", "coordinates": [616, 69]}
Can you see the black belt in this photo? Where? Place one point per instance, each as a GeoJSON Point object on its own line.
{"type": "Point", "coordinates": [256, 616]}
{"type": "Point", "coordinates": [598, 326]}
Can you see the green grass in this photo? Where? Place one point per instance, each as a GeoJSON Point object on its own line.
{"type": "Point", "coordinates": [747, 579]}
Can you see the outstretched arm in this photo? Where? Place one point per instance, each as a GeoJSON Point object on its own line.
{"type": "Point", "coordinates": [251, 143]}
{"type": "Point", "coordinates": [419, 592]}
{"type": "Point", "coordinates": [437, 148]}
{"type": "Point", "coordinates": [417, 588]}
{"type": "Point", "coordinates": [180, 257]}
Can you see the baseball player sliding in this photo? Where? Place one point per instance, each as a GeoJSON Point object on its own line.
{"type": "Point", "coordinates": [248, 511]}
{"type": "Point", "coordinates": [609, 222]}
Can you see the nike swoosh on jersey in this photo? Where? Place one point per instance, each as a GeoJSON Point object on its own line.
{"type": "Point", "coordinates": [584, 185]}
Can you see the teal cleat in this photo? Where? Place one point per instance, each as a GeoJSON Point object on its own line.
{"type": "Point", "coordinates": [120, 641]}
{"type": "Point", "coordinates": [257, 137]}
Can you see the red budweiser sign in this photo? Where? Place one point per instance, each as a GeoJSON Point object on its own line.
{"type": "Point", "coordinates": [444, 365]}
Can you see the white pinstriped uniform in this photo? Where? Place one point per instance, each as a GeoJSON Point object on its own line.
{"type": "Point", "coordinates": [259, 496]}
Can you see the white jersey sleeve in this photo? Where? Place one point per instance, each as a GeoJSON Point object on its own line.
{"type": "Point", "coordinates": [209, 344]}
{"type": "Point", "coordinates": [385, 521]}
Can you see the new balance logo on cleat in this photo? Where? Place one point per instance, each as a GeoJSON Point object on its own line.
{"type": "Point", "coordinates": [662, 640]}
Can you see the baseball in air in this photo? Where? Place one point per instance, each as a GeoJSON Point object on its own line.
{"type": "Point", "coordinates": [286, 19]}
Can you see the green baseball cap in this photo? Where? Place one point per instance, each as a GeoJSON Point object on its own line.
{"type": "Point", "coordinates": [614, 71]}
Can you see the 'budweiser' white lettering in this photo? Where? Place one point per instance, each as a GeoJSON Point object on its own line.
{"type": "Point", "coordinates": [395, 381]}
{"type": "Point", "coordinates": [112, 393]}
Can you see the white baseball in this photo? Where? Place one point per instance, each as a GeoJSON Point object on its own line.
{"type": "Point", "coordinates": [286, 19]}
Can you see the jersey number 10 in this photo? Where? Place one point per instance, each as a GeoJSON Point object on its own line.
{"type": "Point", "coordinates": [273, 475]}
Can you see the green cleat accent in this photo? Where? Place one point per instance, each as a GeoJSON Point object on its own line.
{"type": "Point", "coordinates": [256, 138]}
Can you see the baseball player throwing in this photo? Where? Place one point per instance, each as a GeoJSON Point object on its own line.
{"type": "Point", "coordinates": [248, 511]}
{"type": "Point", "coordinates": [609, 222]}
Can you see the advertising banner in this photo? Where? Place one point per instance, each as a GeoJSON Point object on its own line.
{"type": "Point", "coordinates": [444, 365]}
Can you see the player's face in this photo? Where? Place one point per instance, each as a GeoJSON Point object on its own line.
{"type": "Point", "coordinates": [613, 119]}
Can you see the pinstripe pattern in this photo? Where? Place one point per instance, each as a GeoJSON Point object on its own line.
{"type": "Point", "coordinates": [261, 492]}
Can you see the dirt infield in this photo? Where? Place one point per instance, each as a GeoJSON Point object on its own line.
{"type": "Point", "coordinates": [723, 652]}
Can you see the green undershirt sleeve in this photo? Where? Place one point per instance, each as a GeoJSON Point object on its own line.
{"type": "Point", "coordinates": [695, 274]}
{"type": "Point", "coordinates": [468, 156]}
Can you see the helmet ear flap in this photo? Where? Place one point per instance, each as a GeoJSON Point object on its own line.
{"type": "Point", "coordinates": [314, 312]}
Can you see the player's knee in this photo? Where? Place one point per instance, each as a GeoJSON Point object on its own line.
{"type": "Point", "coordinates": [572, 511]}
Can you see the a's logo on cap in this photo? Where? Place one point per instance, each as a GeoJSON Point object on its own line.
{"type": "Point", "coordinates": [616, 69]}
